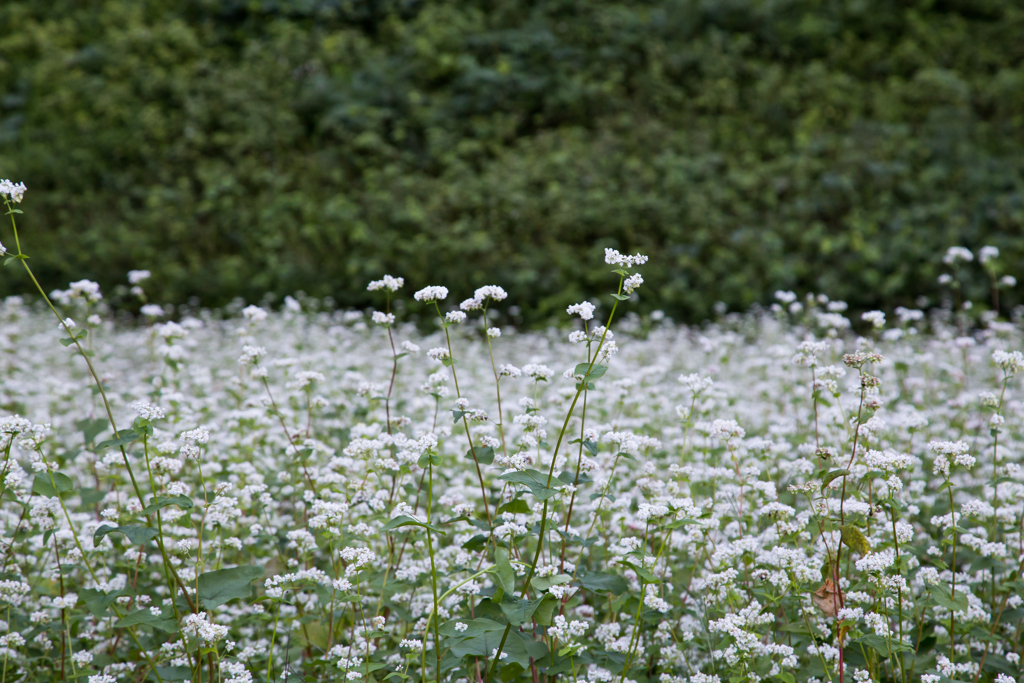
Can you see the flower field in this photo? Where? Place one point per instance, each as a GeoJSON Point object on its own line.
{"type": "Point", "coordinates": [316, 495]}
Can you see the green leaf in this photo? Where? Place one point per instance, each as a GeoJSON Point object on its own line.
{"type": "Point", "coordinates": [832, 476]}
{"type": "Point", "coordinates": [42, 486]}
{"type": "Point", "coordinates": [184, 502]}
{"type": "Point", "coordinates": [97, 601]}
{"type": "Point", "coordinates": [174, 673]}
{"type": "Point", "coordinates": [143, 617]}
{"type": "Point", "coordinates": [536, 481]}
{"type": "Point", "coordinates": [406, 520]}
{"type": "Point", "coordinates": [954, 603]}
{"type": "Point", "coordinates": [517, 506]}
{"type": "Point", "coordinates": [546, 609]}
{"type": "Point", "coordinates": [881, 645]}
{"type": "Point", "coordinates": [122, 438]}
{"type": "Point", "coordinates": [136, 534]}
{"type": "Point", "coordinates": [66, 341]}
{"type": "Point", "coordinates": [517, 610]}
{"type": "Point", "coordinates": [682, 521]}
{"type": "Point", "coordinates": [484, 454]}
{"type": "Point", "coordinates": [641, 572]}
{"type": "Point", "coordinates": [91, 428]}
{"type": "Point", "coordinates": [218, 587]}
{"type": "Point", "coordinates": [602, 583]}
{"type": "Point", "coordinates": [596, 372]}
{"type": "Point", "coordinates": [854, 539]}
{"type": "Point", "coordinates": [544, 583]}
{"type": "Point", "coordinates": [621, 297]}
{"type": "Point", "coordinates": [504, 571]}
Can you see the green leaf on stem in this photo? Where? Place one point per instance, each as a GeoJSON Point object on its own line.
{"type": "Point", "coordinates": [406, 520]}
{"type": "Point", "coordinates": [135, 533]}
{"type": "Point", "coordinates": [503, 570]}
{"type": "Point", "coordinates": [484, 454]}
{"type": "Point", "coordinates": [41, 485]}
{"type": "Point", "coordinates": [220, 586]}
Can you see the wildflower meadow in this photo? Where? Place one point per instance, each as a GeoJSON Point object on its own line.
{"type": "Point", "coordinates": [298, 493]}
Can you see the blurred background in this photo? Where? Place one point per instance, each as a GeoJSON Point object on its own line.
{"type": "Point", "coordinates": [238, 147]}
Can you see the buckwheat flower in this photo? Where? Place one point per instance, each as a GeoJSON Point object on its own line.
{"type": "Point", "coordinates": [197, 435]}
{"type": "Point", "coordinates": [137, 276]}
{"type": "Point", "coordinates": [3, 250]}
{"type": "Point", "coordinates": [1011, 362]}
{"type": "Point", "coordinates": [431, 294]}
{"type": "Point", "coordinates": [541, 373]}
{"type": "Point", "coordinates": [67, 323]}
{"type": "Point", "coordinates": [460, 627]}
{"type": "Point", "coordinates": [632, 283]}
{"type": "Point", "coordinates": [455, 317]}
{"type": "Point", "coordinates": [410, 347]}
{"type": "Point", "coordinates": [577, 337]}
{"type": "Point", "coordinates": [81, 658]}
{"type": "Point", "coordinates": [251, 354]}
{"type": "Point", "coordinates": [493, 332]}
{"type": "Point", "coordinates": [152, 311]}
{"type": "Point", "coordinates": [493, 292]}
{"type": "Point", "coordinates": [392, 284]}
{"type": "Point", "coordinates": [727, 429]}
{"type": "Point", "coordinates": [510, 371]}
{"type": "Point", "coordinates": [254, 314]}
{"type": "Point", "coordinates": [67, 602]}
{"type": "Point", "coordinates": [199, 626]}
{"type": "Point", "coordinates": [1008, 281]}
{"type": "Point", "coordinates": [494, 653]}
{"type": "Point", "coordinates": [414, 644]}
{"type": "Point", "coordinates": [380, 318]}
{"type": "Point", "coordinates": [876, 318]}
{"type": "Point", "coordinates": [147, 411]}
{"type": "Point", "coordinates": [613, 258]}
{"type": "Point", "coordinates": [954, 254]}
{"type": "Point", "coordinates": [14, 191]}
{"type": "Point", "coordinates": [584, 310]}
{"type": "Point", "coordinates": [696, 383]}
{"type": "Point", "coordinates": [102, 678]}
{"type": "Point", "coordinates": [471, 305]}
{"type": "Point", "coordinates": [987, 253]}
{"type": "Point", "coordinates": [860, 358]}
{"type": "Point", "coordinates": [439, 353]}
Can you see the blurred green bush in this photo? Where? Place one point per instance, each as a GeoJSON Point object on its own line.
{"type": "Point", "coordinates": [235, 147]}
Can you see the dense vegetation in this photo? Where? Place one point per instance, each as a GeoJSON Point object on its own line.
{"type": "Point", "coordinates": [238, 147]}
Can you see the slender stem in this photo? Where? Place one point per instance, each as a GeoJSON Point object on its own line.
{"type": "Point", "coordinates": [551, 470]}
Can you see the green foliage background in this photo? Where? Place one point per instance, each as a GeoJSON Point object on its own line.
{"type": "Point", "coordinates": [235, 147]}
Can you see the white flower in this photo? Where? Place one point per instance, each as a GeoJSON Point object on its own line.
{"type": "Point", "coordinates": [13, 191]}
{"type": "Point", "coordinates": [986, 254]}
{"type": "Point", "coordinates": [954, 254]}
{"type": "Point", "coordinates": [439, 353]}
{"type": "Point", "coordinates": [430, 294]}
{"type": "Point", "coordinates": [380, 318]}
{"type": "Point", "coordinates": [876, 318]}
{"type": "Point", "coordinates": [493, 332]}
{"type": "Point", "coordinates": [632, 283]}
{"type": "Point", "coordinates": [613, 258]}
{"type": "Point", "coordinates": [254, 314]}
{"type": "Point", "coordinates": [392, 284]}
{"type": "Point", "coordinates": [584, 310]}
{"type": "Point", "coordinates": [455, 317]}
{"type": "Point", "coordinates": [137, 276]}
